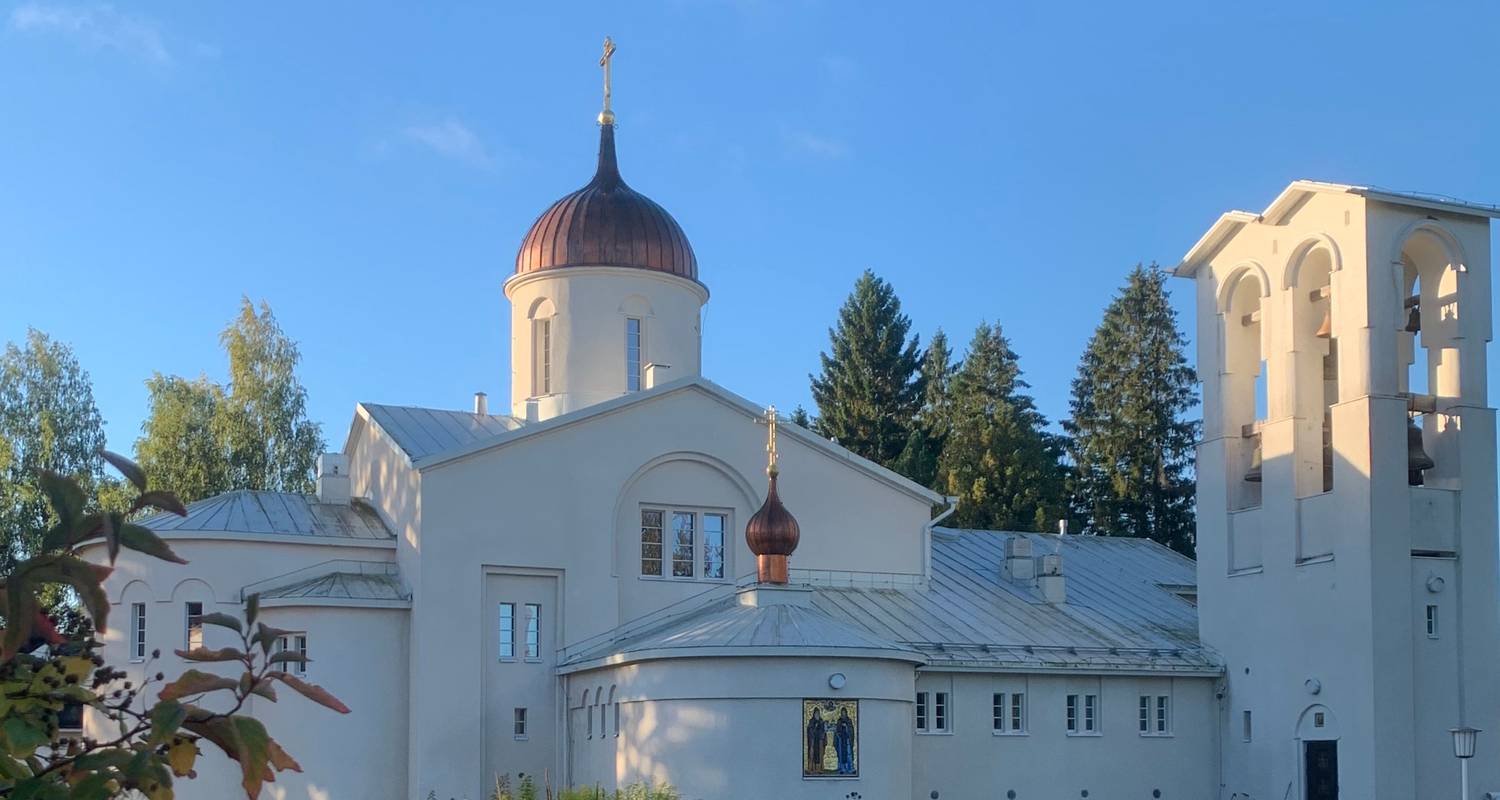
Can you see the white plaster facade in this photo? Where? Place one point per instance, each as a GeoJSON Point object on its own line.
{"type": "Point", "coordinates": [699, 681]}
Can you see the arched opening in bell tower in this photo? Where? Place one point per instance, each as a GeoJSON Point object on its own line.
{"type": "Point", "coordinates": [1429, 339]}
{"type": "Point", "coordinates": [1315, 364]}
{"type": "Point", "coordinates": [1245, 400]}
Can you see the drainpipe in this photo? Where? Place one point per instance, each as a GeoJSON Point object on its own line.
{"type": "Point", "coordinates": [927, 533]}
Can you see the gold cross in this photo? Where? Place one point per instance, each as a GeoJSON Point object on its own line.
{"type": "Point", "coordinates": [606, 117]}
{"type": "Point", "coordinates": [771, 468]}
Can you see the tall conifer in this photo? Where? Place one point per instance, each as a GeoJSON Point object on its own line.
{"type": "Point", "coordinates": [998, 457]}
{"type": "Point", "coordinates": [870, 388]}
{"type": "Point", "coordinates": [1131, 447]}
{"type": "Point", "coordinates": [919, 459]}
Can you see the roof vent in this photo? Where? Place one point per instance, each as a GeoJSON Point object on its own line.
{"type": "Point", "coordinates": [333, 479]}
{"type": "Point", "coordinates": [481, 404]}
{"type": "Point", "coordinates": [1019, 566]}
{"type": "Point", "coordinates": [1051, 582]}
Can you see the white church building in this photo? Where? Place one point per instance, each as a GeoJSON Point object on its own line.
{"type": "Point", "coordinates": [598, 585]}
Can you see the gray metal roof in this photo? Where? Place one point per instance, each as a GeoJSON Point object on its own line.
{"type": "Point", "coordinates": [726, 625]}
{"type": "Point", "coordinates": [342, 586]}
{"type": "Point", "coordinates": [422, 432]}
{"type": "Point", "coordinates": [285, 513]}
{"type": "Point", "coordinates": [1124, 613]}
{"type": "Point", "coordinates": [1121, 610]}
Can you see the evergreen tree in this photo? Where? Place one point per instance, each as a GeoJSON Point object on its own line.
{"type": "Point", "coordinates": [1131, 448]}
{"type": "Point", "coordinates": [998, 457]}
{"type": "Point", "coordinates": [48, 421]}
{"type": "Point", "coordinates": [205, 439]}
{"type": "Point", "coordinates": [929, 431]}
{"type": "Point", "coordinates": [800, 417]}
{"type": "Point", "coordinates": [870, 389]}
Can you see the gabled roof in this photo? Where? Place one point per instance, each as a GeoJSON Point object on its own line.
{"type": "Point", "coordinates": [425, 448]}
{"type": "Point", "coordinates": [1293, 195]}
{"type": "Point", "coordinates": [338, 582]}
{"type": "Point", "coordinates": [278, 513]}
{"type": "Point", "coordinates": [1125, 613]}
{"type": "Point", "coordinates": [342, 586]}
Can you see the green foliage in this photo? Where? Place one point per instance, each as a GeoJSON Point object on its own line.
{"type": "Point", "coordinates": [1131, 448]}
{"type": "Point", "coordinates": [42, 671]}
{"type": "Point", "coordinates": [801, 417]}
{"type": "Point", "coordinates": [997, 456]}
{"type": "Point", "coordinates": [527, 789]}
{"type": "Point", "coordinates": [870, 388]}
{"type": "Point", "coordinates": [252, 433]}
{"type": "Point", "coordinates": [929, 431]}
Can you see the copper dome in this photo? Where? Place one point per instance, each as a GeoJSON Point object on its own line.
{"type": "Point", "coordinates": [772, 534]}
{"type": "Point", "coordinates": [607, 223]}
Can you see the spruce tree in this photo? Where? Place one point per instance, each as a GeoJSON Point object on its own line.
{"type": "Point", "coordinates": [1131, 447]}
{"type": "Point", "coordinates": [929, 431]}
{"type": "Point", "coordinates": [870, 389]}
{"type": "Point", "coordinates": [998, 457]}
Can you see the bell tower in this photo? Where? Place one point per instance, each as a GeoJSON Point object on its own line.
{"type": "Point", "coordinates": [1347, 535]}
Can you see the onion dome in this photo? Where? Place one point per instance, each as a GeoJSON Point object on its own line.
{"type": "Point", "coordinates": [772, 532]}
{"type": "Point", "coordinates": [607, 223]}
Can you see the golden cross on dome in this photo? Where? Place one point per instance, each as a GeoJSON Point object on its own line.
{"type": "Point", "coordinates": [607, 117]}
{"type": "Point", "coordinates": [771, 468]}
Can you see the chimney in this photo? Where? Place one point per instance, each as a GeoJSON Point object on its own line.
{"type": "Point", "coordinates": [533, 413]}
{"type": "Point", "coordinates": [1062, 527]}
{"type": "Point", "coordinates": [333, 479]}
{"type": "Point", "coordinates": [1019, 566]}
{"type": "Point", "coordinates": [656, 373]}
{"type": "Point", "coordinates": [481, 404]}
{"type": "Point", "coordinates": [1050, 581]}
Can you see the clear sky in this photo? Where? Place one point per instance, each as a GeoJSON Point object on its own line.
{"type": "Point", "coordinates": [369, 168]}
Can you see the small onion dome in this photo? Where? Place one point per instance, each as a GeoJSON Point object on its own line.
{"type": "Point", "coordinates": [772, 534]}
{"type": "Point", "coordinates": [609, 224]}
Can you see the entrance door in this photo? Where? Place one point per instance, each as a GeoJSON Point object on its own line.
{"type": "Point", "coordinates": [1321, 766]}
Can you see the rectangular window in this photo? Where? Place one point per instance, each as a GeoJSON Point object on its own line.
{"type": "Point", "coordinates": [1017, 712]}
{"type": "Point", "coordinates": [194, 625]}
{"type": "Point", "coordinates": [1163, 714]}
{"type": "Point", "coordinates": [922, 711]}
{"type": "Point", "coordinates": [1083, 714]}
{"type": "Point", "coordinates": [997, 713]}
{"type": "Point", "coordinates": [1072, 713]}
{"type": "Point", "coordinates": [1156, 715]}
{"type": "Point", "coordinates": [651, 542]}
{"type": "Point", "coordinates": [507, 631]}
{"type": "Point", "coordinates": [1090, 713]}
{"type": "Point", "coordinates": [713, 545]}
{"type": "Point", "coordinates": [541, 367]}
{"type": "Point", "coordinates": [296, 643]}
{"type": "Point", "coordinates": [1432, 622]}
{"type": "Point", "coordinates": [138, 631]}
{"type": "Point", "coordinates": [682, 544]}
{"type": "Point", "coordinates": [1145, 714]}
{"type": "Point", "coordinates": [617, 719]}
{"type": "Point", "coordinates": [940, 711]}
{"type": "Point", "coordinates": [533, 630]}
{"type": "Point", "coordinates": [1008, 712]}
{"type": "Point", "coordinates": [520, 723]}
{"type": "Point", "coordinates": [1246, 724]}
{"type": "Point", "coordinates": [632, 354]}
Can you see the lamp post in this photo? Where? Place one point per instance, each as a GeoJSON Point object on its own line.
{"type": "Point", "coordinates": [1463, 749]}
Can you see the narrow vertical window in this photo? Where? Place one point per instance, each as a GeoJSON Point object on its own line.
{"type": "Point", "coordinates": [682, 544]}
{"type": "Point", "coordinates": [632, 354]}
{"type": "Point", "coordinates": [651, 541]}
{"type": "Point", "coordinates": [1145, 713]}
{"type": "Point", "coordinates": [940, 711]}
{"type": "Point", "coordinates": [713, 545]}
{"type": "Point", "coordinates": [520, 723]}
{"type": "Point", "coordinates": [1017, 712]}
{"type": "Point", "coordinates": [1245, 723]}
{"type": "Point", "coordinates": [194, 625]}
{"type": "Point", "coordinates": [138, 631]}
{"type": "Point", "coordinates": [541, 371]}
{"type": "Point", "coordinates": [1090, 713]}
{"type": "Point", "coordinates": [1432, 622]}
{"type": "Point", "coordinates": [617, 720]}
{"type": "Point", "coordinates": [294, 643]}
{"type": "Point", "coordinates": [507, 631]}
{"type": "Point", "coordinates": [922, 711]}
{"type": "Point", "coordinates": [589, 712]}
{"type": "Point", "coordinates": [1163, 714]}
{"type": "Point", "coordinates": [1072, 713]}
{"type": "Point", "coordinates": [997, 712]}
{"type": "Point", "coordinates": [533, 630]}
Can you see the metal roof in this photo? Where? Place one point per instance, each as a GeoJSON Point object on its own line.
{"type": "Point", "coordinates": [342, 586]}
{"type": "Point", "coordinates": [422, 432]}
{"type": "Point", "coordinates": [284, 513]}
{"type": "Point", "coordinates": [1125, 612]}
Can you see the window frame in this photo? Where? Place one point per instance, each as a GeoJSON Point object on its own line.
{"type": "Point", "coordinates": [696, 555]}
{"type": "Point", "coordinates": [923, 705]}
{"type": "Point", "coordinates": [505, 650]}
{"type": "Point", "coordinates": [520, 730]}
{"type": "Point", "coordinates": [1082, 718]}
{"type": "Point", "coordinates": [533, 633]}
{"type": "Point", "coordinates": [1155, 717]}
{"type": "Point", "coordinates": [137, 632]}
{"type": "Point", "coordinates": [1008, 714]}
{"type": "Point", "coordinates": [942, 712]}
{"type": "Point", "coordinates": [541, 357]}
{"type": "Point", "coordinates": [1432, 621]}
{"type": "Point", "coordinates": [296, 641]}
{"type": "Point", "coordinates": [192, 630]}
{"type": "Point", "coordinates": [635, 376]}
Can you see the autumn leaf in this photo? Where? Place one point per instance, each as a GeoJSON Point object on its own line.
{"type": "Point", "coordinates": [311, 691]}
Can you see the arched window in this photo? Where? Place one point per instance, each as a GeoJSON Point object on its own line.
{"type": "Point", "coordinates": [1245, 398]}
{"type": "Point", "coordinates": [542, 315]}
{"type": "Point", "coordinates": [588, 710]}
{"type": "Point", "coordinates": [1429, 344]}
{"type": "Point", "coordinates": [1315, 361]}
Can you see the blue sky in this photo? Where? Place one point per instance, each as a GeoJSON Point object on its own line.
{"type": "Point", "coordinates": [369, 168]}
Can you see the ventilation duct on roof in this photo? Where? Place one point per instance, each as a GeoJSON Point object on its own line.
{"type": "Point", "coordinates": [1019, 566]}
{"type": "Point", "coordinates": [333, 479]}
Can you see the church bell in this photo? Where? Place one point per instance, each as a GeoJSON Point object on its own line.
{"type": "Point", "coordinates": [1326, 329]}
{"type": "Point", "coordinates": [1417, 459]}
{"type": "Point", "coordinates": [1414, 320]}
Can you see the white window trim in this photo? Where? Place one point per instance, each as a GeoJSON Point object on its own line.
{"type": "Point", "coordinates": [931, 728]}
{"type": "Point", "coordinates": [524, 718]}
{"type": "Point", "coordinates": [922, 708]}
{"type": "Point", "coordinates": [289, 642]}
{"type": "Point", "coordinates": [541, 356]}
{"type": "Point", "coordinates": [138, 633]}
{"type": "Point", "coordinates": [533, 613]}
{"type": "Point", "coordinates": [1432, 622]}
{"type": "Point", "coordinates": [187, 624]}
{"type": "Point", "coordinates": [699, 548]}
{"type": "Point", "coordinates": [501, 632]}
{"type": "Point", "coordinates": [640, 354]}
{"type": "Point", "coordinates": [1080, 715]}
{"type": "Point", "coordinates": [1153, 729]}
{"type": "Point", "coordinates": [1007, 706]}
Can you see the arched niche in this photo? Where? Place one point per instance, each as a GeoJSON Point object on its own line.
{"type": "Point", "coordinates": [1317, 724]}
{"type": "Point", "coordinates": [1428, 322]}
{"type": "Point", "coordinates": [1245, 392]}
{"type": "Point", "coordinates": [1315, 334]}
{"type": "Point", "coordinates": [542, 347]}
{"type": "Point", "coordinates": [690, 482]}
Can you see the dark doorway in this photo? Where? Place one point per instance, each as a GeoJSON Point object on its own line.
{"type": "Point", "coordinates": [1321, 766]}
